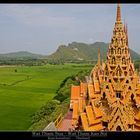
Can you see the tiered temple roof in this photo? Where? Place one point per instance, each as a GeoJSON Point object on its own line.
{"type": "Point", "coordinates": [110, 100]}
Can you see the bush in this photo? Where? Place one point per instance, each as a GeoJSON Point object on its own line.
{"type": "Point", "coordinates": [45, 110]}
{"type": "Point", "coordinates": [65, 87]}
{"type": "Point", "coordinates": [50, 115]}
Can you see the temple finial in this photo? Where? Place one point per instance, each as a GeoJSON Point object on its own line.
{"type": "Point", "coordinates": [124, 26]}
{"type": "Point", "coordinates": [118, 18]}
{"type": "Point", "coordinates": [126, 34]}
{"type": "Point", "coordinates": [126, 29]}
{"type": "Point", "coordinates": [99, 56]}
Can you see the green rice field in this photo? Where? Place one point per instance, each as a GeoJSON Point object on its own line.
{"type": "Point", "coordinates": [24, 89]}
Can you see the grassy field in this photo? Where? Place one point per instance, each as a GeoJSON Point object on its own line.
{"type": "Point", "coordinates": [23, 92]}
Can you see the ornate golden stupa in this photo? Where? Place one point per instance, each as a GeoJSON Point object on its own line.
{"type": "Point", "coordinates": [110, 99]}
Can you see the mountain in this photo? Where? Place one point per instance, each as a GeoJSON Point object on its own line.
{"type": "Point", "coordinates": [73, 52]}
{"type": "Point", "coordinates": [20, 54]}
{"type": "Point", "coordinates": [83, 52]}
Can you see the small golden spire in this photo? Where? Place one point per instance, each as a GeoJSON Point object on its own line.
{"type": "Point", "coordinates": [118, 18]}
{"type": "Point", "coordinates": [124, 27]}
{"type": "Point", "coordinates": [98, 56]}
{"type": "Point", "coordinates": [126, 34]}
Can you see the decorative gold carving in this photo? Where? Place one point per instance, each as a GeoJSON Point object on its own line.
{"type": "Point", "coordinates": [114, 94]}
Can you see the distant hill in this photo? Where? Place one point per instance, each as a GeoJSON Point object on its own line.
{"type": "Point", "coordinates": [20, 54]}
{"type": "Point", "coordinates": [83, 52]}
{"type": "Point", "coordinates": [73, 52]}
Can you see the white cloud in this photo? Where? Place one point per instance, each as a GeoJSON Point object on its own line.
{"type": "Point", "coordinates": [33, 15]}
{"type": "Point", "coordinates": [47, 25]}
{"type": "Point", "coordinates": [90, 40]}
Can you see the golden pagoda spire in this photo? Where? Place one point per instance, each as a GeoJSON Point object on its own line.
{"type": "Point", "coordinates": [124, 27]}
{"type": "Point", "coordinates": [118, 18]}
{"type": "Point", "coordinates": [98, 56]}
{"type": "Point", "coordinates": [110, 93]}
{"type": "Point", "coordinates": [126, 34]}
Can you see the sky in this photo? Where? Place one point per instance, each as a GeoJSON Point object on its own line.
{"type": "Point", "coordinates": [41, 28]}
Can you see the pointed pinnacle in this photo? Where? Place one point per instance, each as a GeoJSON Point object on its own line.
{"type": "Point", "coordinates": [118, 18]}
{"type": "Point", "coordinates": [99, 56]}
